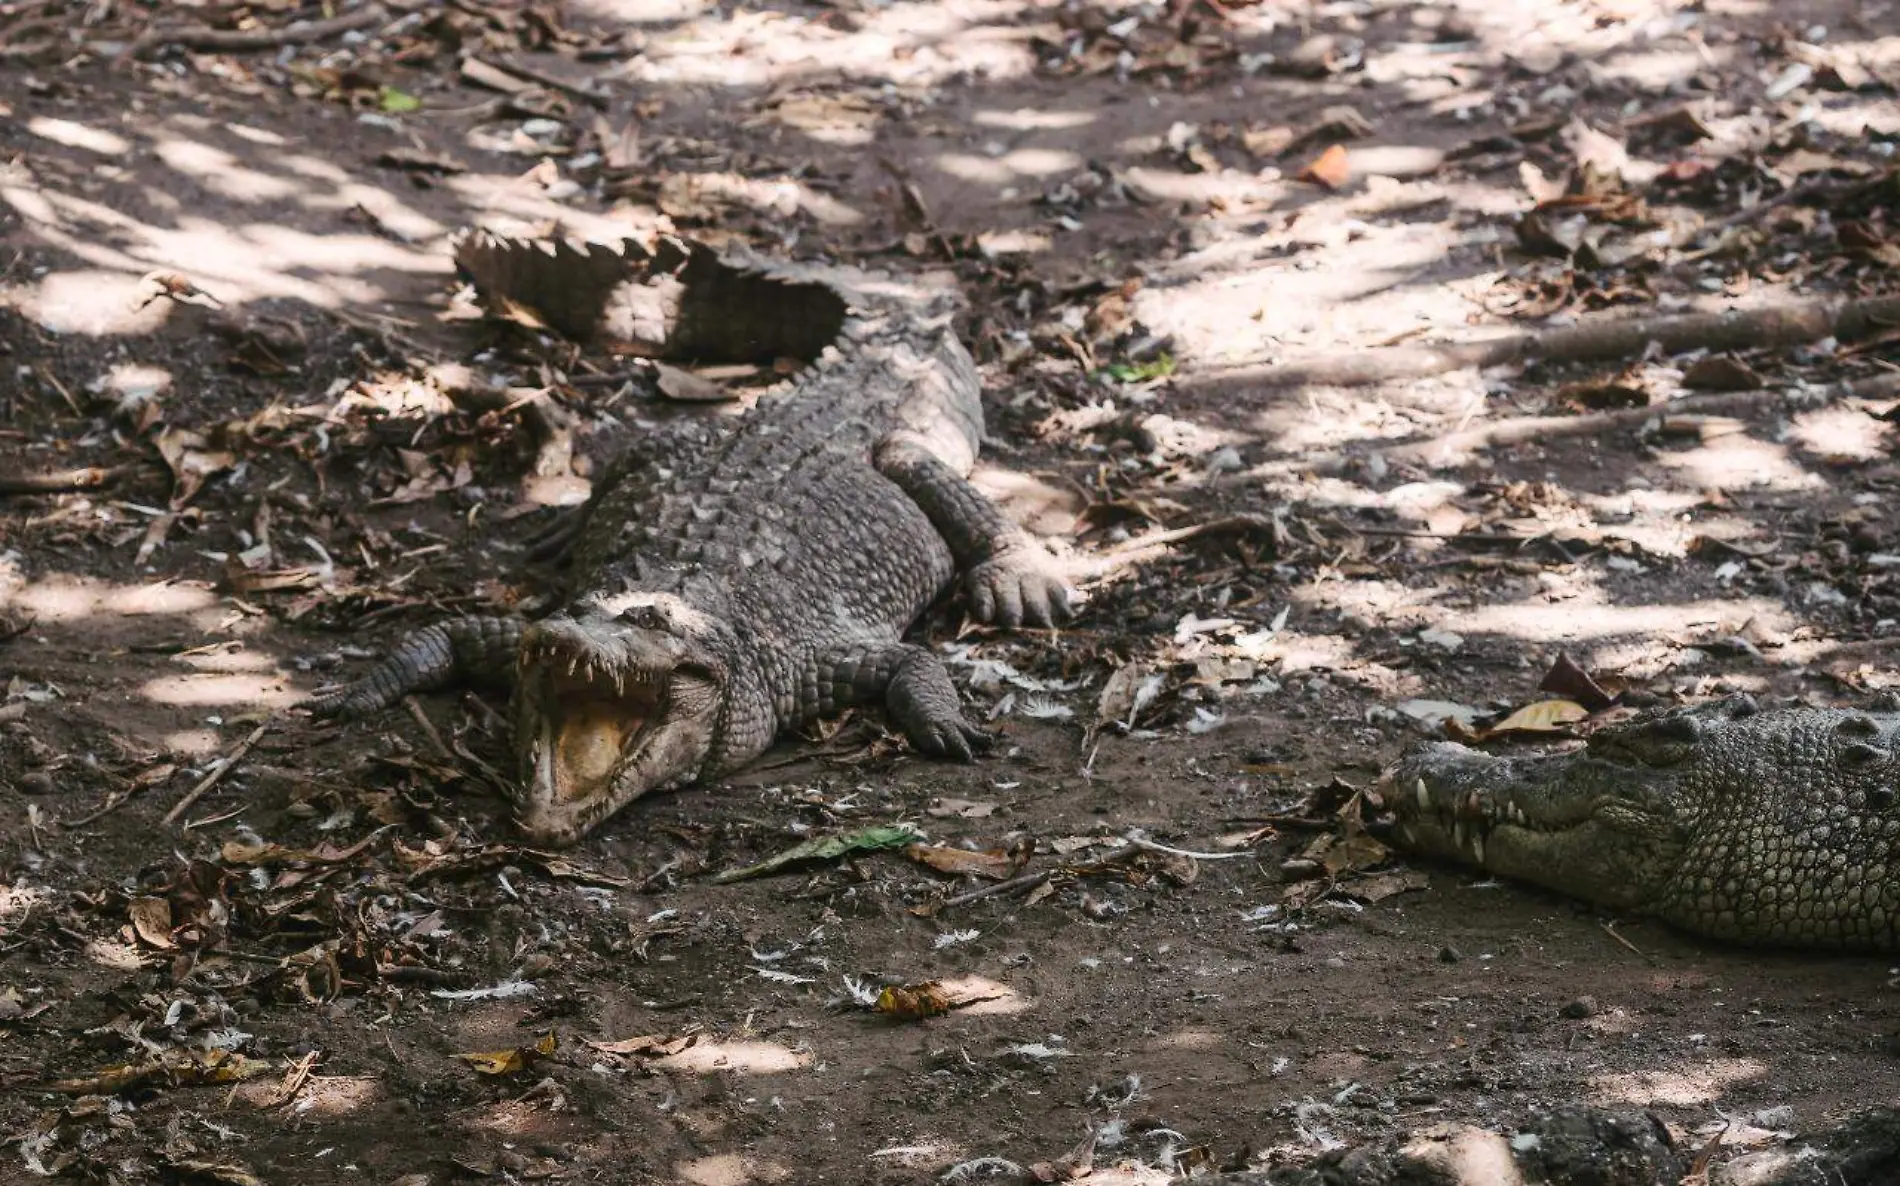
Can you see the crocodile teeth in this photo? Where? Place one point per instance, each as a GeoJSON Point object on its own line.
{"type": "Point", "coordinates": [1424, 796]}
{"type": "Point", "coordinates": [1458, 834]}
{"type": "Point", "coordinates": [1477, 846]}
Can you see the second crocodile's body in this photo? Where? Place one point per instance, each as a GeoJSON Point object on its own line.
{"type": "Point", "coordinates": [728, 586]}
{"type": "Point", "coordinates": [1777, 828]}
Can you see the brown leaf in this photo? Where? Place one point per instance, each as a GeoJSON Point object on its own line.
{"type": "Point", "coordinates": [914, 1002]}
{"type": "Point", "coordinates": [1329, 169]}
{"type": "Point", "coordinates": [1720, 372]}
{"type": "Point", "coordinates": [1379, 887]}
{"type": "Point", "coordinates": [686, 387]}
{"type": "Point", "coordinates": [948, 808]}
{"type": "Point", "coordinates": [994, 863]}
{"type": "Point", "coordinates": [1572, 682]}
{"type": "Point", "coordinates": [152, 919]}
{"type": "Point", "coordinates": [646, 1046]}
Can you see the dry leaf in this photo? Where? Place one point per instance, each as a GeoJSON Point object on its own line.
{"type": "Point", "coordinates": [914, 1002]}
{"type": "Point", "coordinates": [948, 808]}
{"type": "Point", "coordinates": [512, 1061]}
{"type": "Point", "coordinates": [646, 1046]}
{"type": "Point", "coordinates": [1545, 716]}
{"type": "Point", "coordinates": [152, 919]}
{"type": "Point", "coordinates": [993, 863]}
{"type": "Point", "coordinates": [1329, 168]}
{"type": "Point", "coordinates": [686, 387]}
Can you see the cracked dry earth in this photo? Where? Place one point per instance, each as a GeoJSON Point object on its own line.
{"type": "Point", "coordinates": [283, 980]}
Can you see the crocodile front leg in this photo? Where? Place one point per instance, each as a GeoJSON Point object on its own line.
{"type": "Point", "coordinates": [913, 686]}
{"type": "Point", "coordinates": [461, 650]}
{"type": "Point", "coordinates": [1011, 579]}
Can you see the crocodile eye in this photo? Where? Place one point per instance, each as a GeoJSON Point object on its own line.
{"type": "Point", "coordinates": [1860, 755]}
{"type": "Point", "coordinates": [646, 617]}
{"type": "Point", "coordinates": [1880, 798]}
{"type": "Point", "coordinates": [1858, 726]}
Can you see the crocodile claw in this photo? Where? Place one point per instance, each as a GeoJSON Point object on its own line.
{"type": "Point", "coordinates": [1019, 585]}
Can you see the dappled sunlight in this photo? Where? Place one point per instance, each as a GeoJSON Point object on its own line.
{"type": "Point", "coordinates": [917, 43]}
{"type": "Point", "coordinates": [743, 1057]}
{"type": "Point", "coordinates": [643, 12]}
{"type": "Point", "coordinates": [78, 135]}
{"type": "Point", "coordinates": [204, 691]}
{"type": "Point", "coordinates": [1192, 1039]}
{"type": "Point", "coordinates": [1740, 462]}
{"type": "Point", "coordinates": [113, 955]}
{"type": "Point", "coordinates": [1683, 1087]}
{"type": "Point", "coordinates": [517, 1119]}
{"type": "Point", "coordinates": [1007, 167]}
{"type": "Point", "coordinates": [1044, 507]}
{"type": "Point", "coordinates": [321, 1098]}
{"type": "Point", "coordinates": [192, 743]}
{"type": "Point", "coordinates": [1842, 435]}
{"type": "Point", "coordinates": [222, 173]}
{"type": "Point", "coordinates": [61, 597]}
{"type": "Point", "coordinates": [732, 1169]}
{"type": "Point", "coordinates": [920, 1153]}
{"type": "Point", "coordinates": [17, 900]}
{"type": "Point", "coordinates": [987, 997]}
{"type": "Point", "coordinates": [228, 657]}
{"type": "Point", "coordinates": [1578, 619]}
{"type": "Point", "coordinates": [1030, 119]}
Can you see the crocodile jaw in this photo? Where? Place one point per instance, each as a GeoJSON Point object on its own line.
{"type": "Point", "coordinates": [1567, 822]}
{"type": "Point", "coordinates": [605, 713]}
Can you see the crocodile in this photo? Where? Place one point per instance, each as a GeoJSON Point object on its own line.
{"type": "Point", "coordinates": [1774, 827]}
{"type": "Point", "coordinates": [727, 587]}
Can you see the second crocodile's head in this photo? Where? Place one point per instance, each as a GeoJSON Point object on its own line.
{"type": "Point", "coordinates": [615, 696]}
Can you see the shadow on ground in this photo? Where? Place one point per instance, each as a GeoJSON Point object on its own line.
{"type": "Point", "coordinates": [224, 280]}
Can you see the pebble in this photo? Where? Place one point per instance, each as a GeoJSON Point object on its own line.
{"type": "Point", "coordinates": [1580, 1008]}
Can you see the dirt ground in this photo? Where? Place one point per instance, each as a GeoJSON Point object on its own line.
{"type": "Point", "coordinates": [225, 274]}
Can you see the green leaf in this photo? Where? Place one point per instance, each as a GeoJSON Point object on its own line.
{"type": "Point", "coordinates": [825, 848]}
{"type": "Point", "coordinates": [1159, 367]}
{"type": "Point", "coordinates": [397, 102]}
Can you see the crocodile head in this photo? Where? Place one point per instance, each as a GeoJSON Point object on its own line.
{"type": "Point", "coordinates": [1778, 827]}
{"type": "Point", "coordinates": [615, 697]}
{"type": "Point", "coordinates": [1593, 828]}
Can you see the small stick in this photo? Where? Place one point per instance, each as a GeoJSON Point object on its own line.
{"type": "Point", "coordinates": [61, 481]}
{"type": "Point", "coordinates": [200, 37]}
{"type": "Point", "coordinates": [1027, 881]}
{"type": "Point", "coordinates": [1611, 932]}
{"type": "Point", "coordinates": [428, 728]}
{"type": "Point", "coordinates": [217, 772]}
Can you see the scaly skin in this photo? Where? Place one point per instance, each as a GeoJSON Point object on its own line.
{"type": "Point", "coordinates": [729, 589]}
{"type": "Point", "coordinates": [1774, 828]}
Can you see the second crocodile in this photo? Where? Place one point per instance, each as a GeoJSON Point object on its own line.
{"type": "Point", "coordinates": [1765, 827]}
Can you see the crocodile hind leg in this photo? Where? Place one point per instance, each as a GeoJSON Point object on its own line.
{"type": "Point", "coordinates": [460, 650]}
{"type": "Point", "coordinates": [1010, 578]}
{"type": "Point", "coordinates": [913, 687]}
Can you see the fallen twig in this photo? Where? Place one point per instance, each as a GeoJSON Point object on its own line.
{"type": "Point", "coordinates": [1590, 341]}
{"type": "Point", "coordinates": [201, 37]}
{"type": "Point", "coordinates": [217, 772]}
{"type": "Point", "coordinates": [89, 477]}
{"type": "Point", "coordinates": [1441, 449]}
{"type": "Point", "coordinates": [1014, 885]}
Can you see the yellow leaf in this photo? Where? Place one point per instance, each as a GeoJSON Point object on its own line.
{"type": "Point", "coordinates": [1545, 716]}
{"type": "Point", "coordinates": [512, 1061]}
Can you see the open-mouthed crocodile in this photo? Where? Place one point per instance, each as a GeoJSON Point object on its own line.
{"type": "Point", "coordinates": [729, 586]}
{"type": "Point", "coordinates": [1770, 827]}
